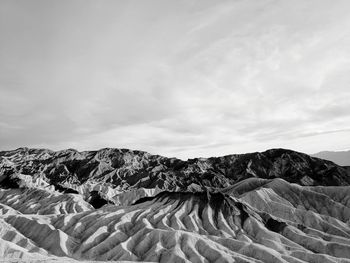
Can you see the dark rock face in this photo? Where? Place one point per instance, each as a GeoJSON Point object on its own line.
{"type": "Point", "coordinates": [96, 200]}
{"type": "Point", "coordinates": [9, 182]}
{"type": "Point", "coordinates": [135, 169]}
{"type": "Point", "coordinates": [274, 225]}
{"type": "Point", "coordinates": [65, 190]}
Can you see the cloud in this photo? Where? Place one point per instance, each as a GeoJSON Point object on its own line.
{"type": "Point", "coordinates": [177, 78]}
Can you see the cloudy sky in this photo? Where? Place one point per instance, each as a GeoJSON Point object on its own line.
{"type": "Point", "coordinates": [179, 78]}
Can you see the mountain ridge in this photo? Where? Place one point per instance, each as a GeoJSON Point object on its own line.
{"type": "Point", "coordinates": [339, 157]}
{"type": "Point", "coordinates": [118, 204]}
{"type": "Point", "coordinates": [132, 168]}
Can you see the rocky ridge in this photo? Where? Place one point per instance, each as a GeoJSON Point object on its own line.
{"type": "Point", "coordinates": [128, 169]}
{"type": "Point", "coordinates": [115, 204]}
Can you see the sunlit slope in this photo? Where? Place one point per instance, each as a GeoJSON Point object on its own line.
{"type": "Point", "coordinates": [41, 201]}
{"type": "Point", "coordinates": [196, 227]}
{"type": "Point", "coordinates": [118, 204]}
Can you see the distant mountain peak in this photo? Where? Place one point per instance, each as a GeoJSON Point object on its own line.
{"type": "Point", "coordinates": [339, 157]}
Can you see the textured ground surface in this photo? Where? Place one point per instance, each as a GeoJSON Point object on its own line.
{"type": "Point", "coordinates": [239, 208]}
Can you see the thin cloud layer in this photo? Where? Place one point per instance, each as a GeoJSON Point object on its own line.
{"type": "Point", "coordinates": [179, 78]}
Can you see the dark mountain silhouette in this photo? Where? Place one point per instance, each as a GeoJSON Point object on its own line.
{"type": "Point", "coordinates": [340, 157]}
{"type": "Point", "coordinates": [134, 169]}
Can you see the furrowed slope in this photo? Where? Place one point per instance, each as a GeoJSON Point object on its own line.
{"type": "Point", "coordinates": [40, 201]}
{"type": "Point", "coordinates": [187, 227]}
{"type": "Point", "coordinates": [118, 204]}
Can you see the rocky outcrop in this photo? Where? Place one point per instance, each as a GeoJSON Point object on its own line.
{"type": "Point", "coordinates": [115, 205]}
{"type": "Point", "coordinates": [127, 169]}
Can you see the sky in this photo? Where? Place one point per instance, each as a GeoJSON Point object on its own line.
{"type": "Point", "coordinates": [184, 78]}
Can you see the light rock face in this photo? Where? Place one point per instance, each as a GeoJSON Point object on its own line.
{"type": "Point", "coordinates": [239, 208]}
